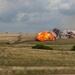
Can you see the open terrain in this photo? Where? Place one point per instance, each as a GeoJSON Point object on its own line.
{"type": "Point", "coordinates": [18, 58]}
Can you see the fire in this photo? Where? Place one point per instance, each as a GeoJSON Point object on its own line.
{"type": "Point", "coordinates": [44, 36]}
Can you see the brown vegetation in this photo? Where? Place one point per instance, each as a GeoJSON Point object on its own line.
{"type": "Point", "coordinates": [20, 59]}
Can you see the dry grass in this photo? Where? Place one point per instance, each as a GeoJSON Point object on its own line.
{"type": "Point", "coordinates": [20, 59]}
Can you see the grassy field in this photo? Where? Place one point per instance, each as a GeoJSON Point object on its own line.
{"type": "Point", "coordinates": [18, 58]}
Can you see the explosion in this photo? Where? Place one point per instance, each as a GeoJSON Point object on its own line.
{"type": "Point", "coordinates": [45, 36]}
{"type": "Point", "coordinates": [55, 34]}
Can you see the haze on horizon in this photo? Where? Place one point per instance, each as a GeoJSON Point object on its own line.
{"type": "Point", "coordinates": [36, 15]}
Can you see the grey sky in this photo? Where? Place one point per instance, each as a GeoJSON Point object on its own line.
{"type": "Point", "coordinates": [36, 15]}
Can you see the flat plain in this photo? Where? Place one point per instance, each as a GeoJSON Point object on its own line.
{"type": "Point", "coordinates": [18, 58]}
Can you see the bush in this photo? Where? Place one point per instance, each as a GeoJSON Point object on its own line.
{"type": "Point", "coordinates": [73, 48]}
{"type": "Point", "coordinates": [40, 46]}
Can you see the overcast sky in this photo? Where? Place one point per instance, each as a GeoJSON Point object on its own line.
{"type": "Point", "coordinates": [36, 15]}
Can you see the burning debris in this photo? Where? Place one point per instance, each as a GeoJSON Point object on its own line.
{"type": "Point", "coordinates": [55, 34]}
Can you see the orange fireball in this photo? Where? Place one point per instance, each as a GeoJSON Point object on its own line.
{"type": "Point", "coordinates": [44, 36]}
